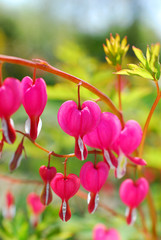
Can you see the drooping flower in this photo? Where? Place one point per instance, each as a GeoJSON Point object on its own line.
{"type": "Point", "coordinates": [17, 157]}
{"type": "Point", "coordinates": [102, 137]}
{"type": "Point", "coordinates": [9, 210]}
{"type": "Point", "coordinates": [92, 178]}
{"type": "Point", "coordinates": [100, 232]}
{"type": "Point", "coordinates": [36, 208]}
{"type": "Point", "coordinates": [47, 174]}
{"type": "Point", "coordinates": [132, 193]}
{"type": "Point", "coordinates": [65, 187]}
{"type": "Point", "coordinates": [10, 101]}
{"type": "Point", "coordinates": [34, 102]}
{"type": "Point", "coordinates": [128, 141]}
{"type": "Point", "coordinates": [78, 122]}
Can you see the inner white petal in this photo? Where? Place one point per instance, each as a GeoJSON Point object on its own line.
{"type": "Point", "coordinates": [108, 159]}
{"type": "Point", "coordinates": [122, 162]}
{"type": "Point", "coordinates": [64, 210]}
{"type": "Point", "coordinates": [47, 193]}
{"type": "Point", "coordinates": [28, 126]}
{"type": "Point", "coordinates": [18, 160]}
{"type": "Point", "coordinates": [96, 202]}
{"type": "Point", "coordinates": [39, 127]}
{"type": "Point", "coordinates": [5, 129]}
{"type": "Point", "coordinates": [133, 215]}
{"type": "Point", "coordinates": [88, 198]}
{"type": "Point", "coordinates": [81, 147]}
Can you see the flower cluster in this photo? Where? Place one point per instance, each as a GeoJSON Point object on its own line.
{"type": "Point", "coordinates": [101, 131]}
{"type": "Point", "coordinates": [90, 127]}
{"type": "Point", "coordinates": [33, 96]}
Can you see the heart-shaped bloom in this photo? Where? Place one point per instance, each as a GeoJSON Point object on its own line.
{"type": "Point", "coordinates": [65, 188]}
{"type": "Point", "coordinates": [102, 137]}
{"type": "Point", "coordinates": [9, 210]}
{"type": "Point", "coordinates": [10, 101]}
{"type": "Point", "coordinates": [47, 174]}
{"type": "Point", "coordinates": [100, 232]}
{"type": "Point", "coordinates": [36, 208]}
{"type": "Point", "coordinates": [128, 141]}
{"type": "Point", "coordinates": [132, 193]}
{"type": "Point", "coordinates": [78, 122]}
{"type": "Point", "coordinates": [92, 178]}
{"type": "Point", "coordinates": [34, 102]}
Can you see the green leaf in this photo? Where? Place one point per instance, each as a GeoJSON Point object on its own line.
{"type": "Point", "coordinates": [135, 70]}
{"type": "Point", "coordinates": [139, 54]}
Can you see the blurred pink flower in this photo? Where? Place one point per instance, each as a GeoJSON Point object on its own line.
{"type": "Point", "coordinates": [36, 208]}
{"type": "Point", "coordinates": [9, 210]}
{"type": "Point", "coordinates": [100, 232]}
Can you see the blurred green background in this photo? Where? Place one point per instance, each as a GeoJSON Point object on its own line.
{"type": "Point", "coordinates": [69, 35]}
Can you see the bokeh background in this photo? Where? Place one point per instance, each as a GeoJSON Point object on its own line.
{"type": "Point", "coordinates": [69, 35]}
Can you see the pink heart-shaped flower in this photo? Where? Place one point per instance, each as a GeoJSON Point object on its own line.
{"type": "Point", "coordinates": [100, 232]}
{"type": "Point", "coordinates": [65, 187]}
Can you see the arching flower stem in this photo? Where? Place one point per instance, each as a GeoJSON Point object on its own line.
{"type": "Point", "coordinates": [1, 63]}
{"type": "Point", "coordinates": [34, 75]}
{"type": "Point", "coordinates": [40, 64]}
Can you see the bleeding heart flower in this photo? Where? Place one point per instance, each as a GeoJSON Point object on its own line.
{"type": "Point", "coordinates": [65, 188]}
{"type": "Point", "coordinates": [92, 179]}
{"type": "Point", "coordinates": [10, 101]}
{"type": "Point", "coordinates": [34, 102]}
{"type": "Point", "coordinates": [47, 174]}
{"type": "Point", "coordinates": [9, 210]}
{"type": "Point", "coordinates": [78, 122]}
{"type": "Point", "coordinates": [132, 193]}
{"type": "Point", "coordinates": [100, 232]}
{"type": "Point", "coordinates": [128, 141]}
{"type": "Point", "coordinates": [36, 208]}
{"type": "Point", "coordinates": [102, 137]}
{"type": "Point", "coordinates": [17, 157]}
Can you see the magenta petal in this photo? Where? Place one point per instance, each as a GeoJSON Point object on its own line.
{"type": "Point", "coordinates": [130, 137]}
{"type": "Point", "coordinates": [101, 233]}
{"type": "Point", "coordinates": [65, 187]}
{"type": "Point", "coordinates": [93, 177]}
{"type": "Point", "coordinates": [107, 131]}
{"type": "Point", "coordinates": [10, 97]}
{"type": "Point", "coordinates": [77, 122]}
{"type": "Point", "coordinates": [34, 121]}
{"type": "Point", "coordinates": [91, 115]}
{"type": "Point", "coordinates": [133, 193]}
{"type": "Point", "coordinates": [34, 96]}
{"type": "Point", "coordinates": [33, 200]}
{"type": "Point", "coordinates": [137, 160]}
